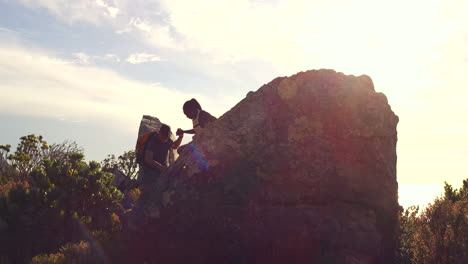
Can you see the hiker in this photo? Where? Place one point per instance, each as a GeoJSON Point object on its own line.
{"type": "Point", "coordinates": [200, 118]}
{"type": "Point", "coordinates": [155, 154]}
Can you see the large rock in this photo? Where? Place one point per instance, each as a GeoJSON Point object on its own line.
{"type": "Point", "coordinates": [149, 123]}
{"type": "Point", "coordinates": [301, 171]}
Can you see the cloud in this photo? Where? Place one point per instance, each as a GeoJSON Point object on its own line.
{"type": "Point", "coordinates": [156, 34]}
{"type": "Point", "coordinates": [291, 35]}
{"type": "Point", "coordinates": [81, 57]}
{"type": "Point", "coordinates": [7, 30]}
{"type": "Point", "coordinates": [89, 11]}
{"type": "Point", "coordinates": [112, 11]}
{"type": "Point", "coordinates": [49, 61]}
{"type": "Point", "coordinates": [142, 58]}
{"type": "Point", "coordinates": [36, 83]}
{"type": "Point", "coordinates": [143, 26]}
{"type": "Point", "coordinates": [117, 15]}
{"type": "Point", "coordinates": [110, 57]}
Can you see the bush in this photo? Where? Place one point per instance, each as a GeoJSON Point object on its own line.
{"type": "Point", "coordinates": [439, 234]}
{"type": "Point", "coordinates": [126, 163]}
{"type": "Point", "coordinates": [131, 198]}
{"type": "Point", "coordinates": [72, 253]}
{"type": "Point", "coordinates": [56, 199]}
{"type": "Point", "coordinates": [58, 258]}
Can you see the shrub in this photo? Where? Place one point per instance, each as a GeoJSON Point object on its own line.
{"type": "Point", "coordinates": [71, 253]}
{"type": "Point", "coordinates": [58, 198]}
{"type": "Point", "coordinates": [439, 234]}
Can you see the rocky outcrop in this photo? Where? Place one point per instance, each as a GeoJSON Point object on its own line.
{"type": "Point", "coordinates": [149, 123]}
{"type": "Point", "coordinates": [119, 177]}
{"type": "Point", "coordinates": [301, 171]}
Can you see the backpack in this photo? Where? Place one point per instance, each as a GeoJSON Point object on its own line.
{"type": "Point", "coordinates": [141, 146]}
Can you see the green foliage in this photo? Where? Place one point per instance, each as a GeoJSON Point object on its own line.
{"type": "Point", "coordinates": [126, 163]}
{"type": "Point", "coordinates": [101, 247]}
{"type": "Point", "coordinates": [7, 171]}
{"type": "Point", "coordinates": [72, 253]}
{"type": "Point", "coordinates": [29, 154]}
{"type": "Point", "coordinates": [456, 195]}
{"type": "Point", "coordinates": [440, 233]}
{"type": "Point", "coordinates": [55, 198]}
{"type": "Point", "coordinates": [78, 189]}
{"type": "Point", "coordinates": [131, 198]}
{"type": "Point", "coordinates": [57, 258]}
{"type": "Point", "coordinates": [408, 223]}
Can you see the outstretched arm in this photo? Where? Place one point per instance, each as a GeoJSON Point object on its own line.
{"type": "Point", "coordinates": [176, 143]}
{"type": "Point", "coordinates": [191, 131]}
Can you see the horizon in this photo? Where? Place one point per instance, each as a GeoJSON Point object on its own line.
{"type": "Point", "coordinates": [88, 71]}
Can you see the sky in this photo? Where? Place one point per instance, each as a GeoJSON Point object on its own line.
{"type": "Point", "coordinates": [87, 70]}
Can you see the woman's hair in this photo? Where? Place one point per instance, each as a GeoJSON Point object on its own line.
{"type": "Point", "coordinates": [165, 130]}
{"type": "Point", "coordinates": [191, 104]}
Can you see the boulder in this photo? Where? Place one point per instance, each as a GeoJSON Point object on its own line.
{"type": "Point", "coordinates": [301, 171]}
{"type": "Point", "coordinates": [149, 123]}
{"type": "Point", "coordinates": [119, 177]}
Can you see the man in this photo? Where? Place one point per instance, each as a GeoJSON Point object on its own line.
{"type": "Point", "coordinates": [156, 151]}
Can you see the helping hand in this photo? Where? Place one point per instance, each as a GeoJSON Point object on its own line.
{"type": "Point", "coordinates": [179, 132]}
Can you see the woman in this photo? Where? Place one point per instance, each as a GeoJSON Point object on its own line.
{"type": "Point", "coordinates": [200, 118]}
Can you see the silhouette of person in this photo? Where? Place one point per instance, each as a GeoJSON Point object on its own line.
{"type": "Point", "coordinates": [200, 118]}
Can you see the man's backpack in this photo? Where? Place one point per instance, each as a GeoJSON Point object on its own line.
{"type": "Point", "coordinates": [141, 146]}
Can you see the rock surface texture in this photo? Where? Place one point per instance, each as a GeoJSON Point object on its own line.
{"type": "Point", "coordinates": [301, 171]}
